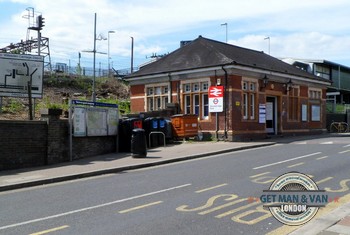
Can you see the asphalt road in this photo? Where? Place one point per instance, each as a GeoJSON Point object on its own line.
{"type": "Point", "coordinates": [211, 195]}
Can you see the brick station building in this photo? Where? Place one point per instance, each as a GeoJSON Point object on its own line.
{"type": "Point", "coordinates": [262, 95]}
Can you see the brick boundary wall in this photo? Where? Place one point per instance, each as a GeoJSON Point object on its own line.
{"type": "Point", "coordinates": [23, 144]}
{"type": "Point", "coordinates": [37, 143]}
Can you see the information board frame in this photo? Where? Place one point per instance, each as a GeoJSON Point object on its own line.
{"type": "Point", "coordinates": [82, 120]}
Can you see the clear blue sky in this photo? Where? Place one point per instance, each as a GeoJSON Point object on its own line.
{"type": "Point", "coordinates": [312, 29]}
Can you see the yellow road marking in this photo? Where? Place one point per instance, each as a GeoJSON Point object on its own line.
{"type": "Point", "coordinates": [222, 206]}
{"type": "Point", "coordinates": [285, 229]}
{"type": "Point", "coordinates": [139, 207]}
{"type": "Point", "coordinates": [50, 230]}
{"type": "Point", "coordinates": [344, 151]}
{"type": "Point", "coordinates": [254, 176]}
{"type": "Point", "coordinates": [237, 209]}
{"type": "Point", "coordinates": [343, 186]}
{"type": "Point", "coordinates": [207, 189]}
{"type": "Point", "coordinates": [324, 180]}
{"type": "Point", "coordinates": [321, 157]}
{"type": "Point", "coordinates": [298, 164]}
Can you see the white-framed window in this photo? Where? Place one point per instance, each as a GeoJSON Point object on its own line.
{"type": "Point", "coordinates": [205, 86]}
{"type": "Point", "coordinates": [196, 104]}
{"type": "Point", "coordinates": [187, 88]}
{"type": "Point", "coordinates": [195, 98]}
{"type": "Point", "coordinates": [252, 106]}
{"type": "Point", "coordinates": [293, 104]}
{"type": "Point", "coordinates": [157, 96]}
{"type": "Point", "coordinates": [187, 104]}
{"type": "Point", "coordinates": [249, 97]}
{"type": "Point", "coordinates": [245, 106]}
{"type": "Point", "coordinates": [315, 94]}
{"type": "Point", "coordinates": [205, 106]}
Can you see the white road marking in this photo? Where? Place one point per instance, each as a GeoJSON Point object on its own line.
{"type": "Point", "coordinates": [344, 151]}
{"type": "Point", "coordinates": [140, 207]}
{"type": "Point", "coordinates": [207, 189]}
{"type": "Point", "coordinates": [292, 159]}
{"type": "Point", "coordinates": [329, 142]}
{"type": "Point", "coordinates": [346, 146]}
{"type": "Point", "coordinates": [92, 207]}
{"type": "Point", "coordinates": [320, 158]}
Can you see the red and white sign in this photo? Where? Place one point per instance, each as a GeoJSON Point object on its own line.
{"type": "Point", "coordinates": [216, 99]}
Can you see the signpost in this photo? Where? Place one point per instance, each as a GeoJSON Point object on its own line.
{"type": "Point", "coordinates": [216, 99]}
{"type": "Point", "coordinates": [216, 103]}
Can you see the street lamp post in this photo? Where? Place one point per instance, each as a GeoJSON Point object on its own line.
{"type": "Point", "coordinates": [94, 65]}
{"type": "Point", "coordinates": [100, 37]}
{"type": "Point", "coordinates": [109, 66]}
{"type": "Point", "coordinates": [225, 24]}
{"type": "Point", "coordinates": [132, 55]}
{"type": "Point", "coordinates": [268, 38]}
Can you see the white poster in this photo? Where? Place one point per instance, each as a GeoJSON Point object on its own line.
{"type": "Point", "coordinates": [79, 123]}
{"type": "Point", "coordinates": [113, 121]}
{"type": "Point", "coordinates": [96, 120]}
{"type": "Point", "coordinates": [262, 113]}
{"type": "Point", "coordinates": [304, 113]}
{"type": "Point", "coordinates": [269, 111]}
{"type": "Point", "coordinates": [315, 113]}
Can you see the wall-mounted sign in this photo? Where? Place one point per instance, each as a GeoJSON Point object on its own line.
{"type": "Point", "coordinates": [16, 73]}
{"type": "Point", "coordinates": [216, 99]}
{"type": "Point", "coordinates": [262, 113]}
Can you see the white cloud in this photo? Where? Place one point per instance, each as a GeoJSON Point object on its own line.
{"type": "Point", "coordinates": [311, 45]}
{"type": "Point", "coordinates": [297, 28]}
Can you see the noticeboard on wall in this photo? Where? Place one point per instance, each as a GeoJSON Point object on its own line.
{"type": "Point", "coordinates": [94, 119]}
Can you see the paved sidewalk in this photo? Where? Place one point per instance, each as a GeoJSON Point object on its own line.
{"type": "Point", "coordinates": [116, 162]}
{"type": "Point", "coordinates": [334, 222]}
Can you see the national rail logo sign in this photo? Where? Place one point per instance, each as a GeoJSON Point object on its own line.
{"type": "Point", "coordinates": [294, 198]}
{"type": "Point", "coordinates": [216, 99]}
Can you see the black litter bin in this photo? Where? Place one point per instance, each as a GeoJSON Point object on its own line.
{"type": "Point", "coordinates": [138, 143]}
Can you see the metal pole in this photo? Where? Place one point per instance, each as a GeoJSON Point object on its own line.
{"type": "Point", "coordinates": [70, 118]}
{"type": "Point", "coordinates": [132, 55]}
{"type": "Point", "coordinates": [217, 126]}
{"type": "Point", "coordinates": [225, 24]}
{"type": "Point", "coordinates": [268, 38]}
{"type": "Point", "coordinates": [109, 66]}
{"type": "Point", "coordinates": [94, 72]}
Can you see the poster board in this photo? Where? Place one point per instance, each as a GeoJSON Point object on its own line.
{"type": "Point", "coordinates": [94, 118]}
